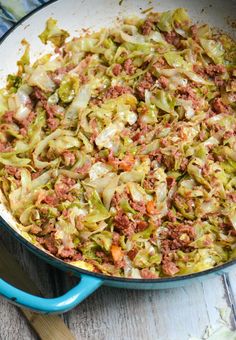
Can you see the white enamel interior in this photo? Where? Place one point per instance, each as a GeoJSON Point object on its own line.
{"type": "Point", "coordinates": [73, 15]}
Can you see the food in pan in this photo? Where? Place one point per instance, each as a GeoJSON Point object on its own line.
{"type": "Point", "coordinates": [118, 150]}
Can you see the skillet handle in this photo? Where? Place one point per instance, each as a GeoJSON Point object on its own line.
{"type": "Point", "coordinates": [87, 285]}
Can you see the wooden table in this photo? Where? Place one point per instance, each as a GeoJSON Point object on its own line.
{"type": "Point", "coordinates": [111, 314]}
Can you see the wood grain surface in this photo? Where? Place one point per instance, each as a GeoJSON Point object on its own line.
{"type": "Point", "coordinates": [174, 314]}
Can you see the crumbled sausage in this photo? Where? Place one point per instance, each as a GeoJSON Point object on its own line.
{"type": "Point", "coordinates": [117, 69]}
{"type": "Point", "coordinates": [173, 38]}
{"type": "Point", "coordinates": [218, 106]}
{"type": "Point", "coordinates": [147, 26]}
{"type": "Point", "coordinates": [145, 84]}
{"type": "Point", "coordinates": [129, 67]}
{"type": "Point", "coordinates": [117, 91]}
{"type": "Point", "coordinates": [123, 224]}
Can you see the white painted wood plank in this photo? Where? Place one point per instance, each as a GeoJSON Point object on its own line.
{"type": "Point", "coordinates": [230, 285]}
{"type": "Point", "coordinates": [215, 299]}
{"type": "Point", "coordinates": [12, 324]}
{"type": "Point", "coordinates": [232, 279]}
{"type": "Point", "coordinates": [173, 314]}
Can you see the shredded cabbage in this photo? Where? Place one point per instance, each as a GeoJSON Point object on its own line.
{"type": "Point", "coordinates": [118, 150]}
{"type": "Point", "coordinates": [54, 34]}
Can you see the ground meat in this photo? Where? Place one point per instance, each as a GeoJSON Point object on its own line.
{"type": "Point", "coordinates": [144, 128]}
{"type": "Point", "coordinates": [141, 225]}
{"type": "Point", "coordinates": [215, 71]}
{"type": "Point", "coordinates": [184, 164]}
{"type": "Point", "coordinates": [212, 70]}
{"type": "Point", "coordinates": [232, 232]}
{"type": "Point", "coordinates": [8, 116]}
{"type": "Point", "coordinates": [132, 253]}
{"type": "Point", "coordinates": [147, 27]}
{"type": "Point", "coordinates": [145, 84]}
{"type": "Point", "coordinates": [39, 94]}
{"type": "Point", "coordinates": [219, 81]}
{"type": "Point", "coordinates": [65, 69]}
{"type": "Point", "coordinates": [139, 206]}
{"type": "Point", "coordinates": [149, 183]}
{"type": "Point", "coordinates": [117, 69]}
{"type": "Point", "coordinates": [63, 187]}
{"type": "Point", "coordinates": [51, 110]}
{"type": "Point", "coordinates": [193, 31]}
{"type": "Point", "coordinates": [219, 107]}
{"type": "Point", "coordinates": [171, 216]}
{"type": "Point", "coordinates": [53, 123]}
{"type": "Point", "coordinates": [51, 200]}
{"type": "Point", "coordinates": [169, 268]}
{"type": "Point", "coordinates": [173, 38]}
{"type": "Point", "coordinates": [199, 70]}
{"type": "Point", "coordinates": [13, 171]}
{"type": "Point", "coordinates": [187, 93]}
{"type": "Point", "coordinates": [35, 230]}
{"type": "Point", "coordinates": [147, 274]}
{"type": "Point", "coordinates": [83, 170]}
{"type": "Point", "coordinates": [23, 131]}
{"type": "Point", "coordinates": [67, 253]}
{"type": "Point", "coordinates": [123, 224]}
{"type": "Point", "coordinates": [49, 243]}
{"type": "Point", "coordinates": [115, 238]}
{"type": "Point", "coordinates": [78, 256]}
{"type": "Point", "coordinates": [117, 91]}
{"type": "Point", "coordinates": [178, 236]}
{"type": "Point", "coordinates": [129, 67]}
{"type": "Point", "coordinates": [94, 135]}
{"type": "Point", "coordinates": [168, 161]}
{"type": "Point", "coordinates": [228, 134]}
{"type": "Point", "coordinates": [96, 101]}
{"type": "Point", "coordinates": [163, 81]}
{"type": "Point", "coordinates": [120, 264]}
{"type": "Point", "coordinates": [117, 198]}
{"type": "Point", "coordinates": [70, 182]}
{"type": "Point", "coordinates": [69, 158]}
{"type": "Point", "coordinates": [160, 63]}
{"type": "Point", "coordinates": [232, 197]}
{"type": "Point", "coordinates": [170, 181]}
{"type": "Point", "coordinates": [103, 256]}
{"type": "Point", "coordinates": [48, 228]}
{"type": "Point", "coordinates": [137, 136]}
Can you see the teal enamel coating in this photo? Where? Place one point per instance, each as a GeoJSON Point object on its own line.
{"type": "Point", "coordinates": [86, 286]}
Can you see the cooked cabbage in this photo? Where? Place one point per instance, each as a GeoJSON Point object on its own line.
{"type": "Point", "coordinates": [118, 150]}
